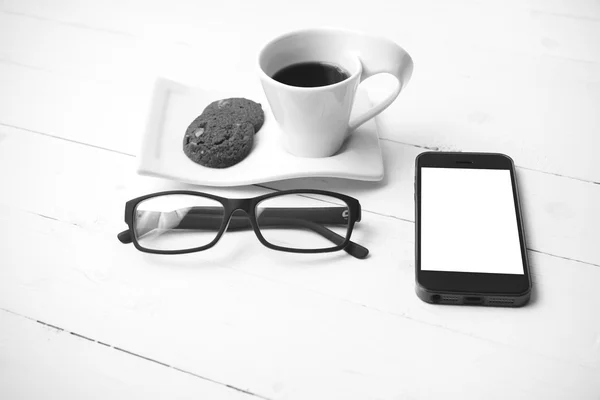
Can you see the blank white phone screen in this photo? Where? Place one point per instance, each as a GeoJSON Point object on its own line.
{"type": "Point", "coordinates": [468, 221]}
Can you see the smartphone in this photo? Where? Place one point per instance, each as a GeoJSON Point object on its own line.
{"type": "Point", "coordinates": [469, 240]}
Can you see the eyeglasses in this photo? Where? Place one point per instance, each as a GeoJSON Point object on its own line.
{"type": "Point", "coordinates": [297, 221]}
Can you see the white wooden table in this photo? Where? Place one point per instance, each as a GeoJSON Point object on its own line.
{"type": "Point", "coordinates": [83, 316]}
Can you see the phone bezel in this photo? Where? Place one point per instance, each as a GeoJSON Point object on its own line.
{"type": "Point", "coordinates": [468, 282]}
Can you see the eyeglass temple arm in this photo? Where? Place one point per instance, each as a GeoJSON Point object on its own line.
{"type": "Point", "coordinates": [308, 217]}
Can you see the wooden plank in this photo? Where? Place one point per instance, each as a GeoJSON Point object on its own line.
{"type": "Point", "coordinates": [563, 32]}
{"type": "Point", "coordinates": [38, 361]}
{"type": "Point", "coordinates": [540, 127]}
{"type": "Point", "coordinates": [572, 9]}
{"type": "Point", "coordinates": [479, 100]}
{"type": "Point", "coordinates": [262, 320]}
{"type": "Point", "coordinates": [78, 257]}
{"type": "Point", "coordinates": [93, 112]}
{"type": "Point", "coordinates": [559, 213]}
{"type": "Point", "coordinates": [228, 316]}
{"type": "Point", "coordinates": [102, 55]}
{"type": "Point", "coordinates": [97, 55]}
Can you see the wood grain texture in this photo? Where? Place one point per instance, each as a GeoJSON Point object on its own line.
{"type": "Point", "coordinates": [218, 316]}
{"type": "Point", "coordinates": [526, 83]}
{"type": "Point", "coordinates": [39, 361]}
{"type": "Point", "coordinates": [111, 114]}
{"type": "Point", "coordinates": [270, 311]}
{"type": "Point", "coordinates": [560, 214]}
{"type": "Point", "coordinates": [243, 321]}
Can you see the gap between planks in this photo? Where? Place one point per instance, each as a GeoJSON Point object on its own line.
{"type": "Point", "coordinates": [318, 293]}
{"type": "Point", "coordinates": [431, 148]}
{"type": "Point", "coordinates": [434, 148]}
{"type": "Point", "coordinates": [61, 330]}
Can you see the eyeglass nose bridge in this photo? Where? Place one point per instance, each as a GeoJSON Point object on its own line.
{"type": "Point", "coordinates": [241, 204]}
{"type": "Point", "coordinates": [244, 205]}
{"type": "Point", "coordinates": [240, 215]}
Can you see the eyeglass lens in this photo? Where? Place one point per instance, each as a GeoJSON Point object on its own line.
{"type": "Point", "coordinates": [304, 221]}
{"type": "Point", "coordinates": [177, 222]}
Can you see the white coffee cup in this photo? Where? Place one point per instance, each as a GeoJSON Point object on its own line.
{"type": "Point", "coordinates": [315, 121]}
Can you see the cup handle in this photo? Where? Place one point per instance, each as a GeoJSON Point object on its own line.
{"type": "Point", "coordinates": [379, 55]}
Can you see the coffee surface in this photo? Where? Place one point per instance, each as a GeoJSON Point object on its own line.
{"type": "Point", "coordinates": [311, 74]}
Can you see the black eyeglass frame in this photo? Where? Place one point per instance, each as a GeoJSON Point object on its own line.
{"type": "Point", "coordinates": [249, 205]}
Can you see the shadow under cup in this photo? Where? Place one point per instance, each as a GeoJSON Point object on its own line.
{"type": "Point", "coordinates": [313, 120]}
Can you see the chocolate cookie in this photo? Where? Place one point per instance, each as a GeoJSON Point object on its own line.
{"type": "Point", "coordinates": [218, 143]}
{"type": "Point", "coordinates": [239, 109]}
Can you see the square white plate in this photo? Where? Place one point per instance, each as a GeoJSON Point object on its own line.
{"type": "Point", "coordinates": [174, 106]}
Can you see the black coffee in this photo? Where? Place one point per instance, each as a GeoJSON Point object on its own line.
{"type": "Point", "coordinates": [311, 74]}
